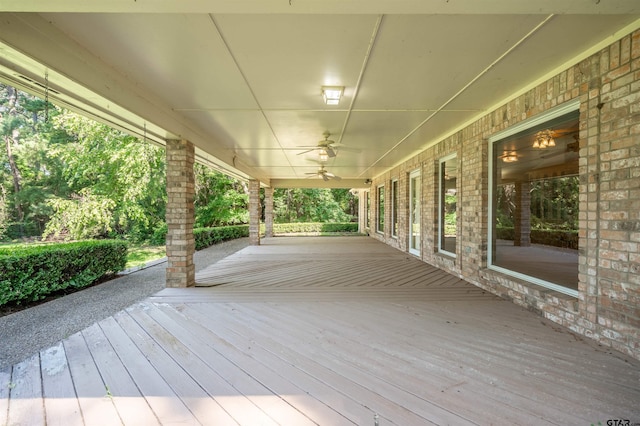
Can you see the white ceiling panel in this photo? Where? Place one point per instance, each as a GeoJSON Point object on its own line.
{"type": "Point", "coordinates": [245, 88]}
{"type": "Point", "coordinates": [288, 58]}
{"type": "Point", "coordinates": [238, 129]}
{"type": "Point", "coordinates": [413, 52]}
{"type": "Point", "coordinates": [182, 58]}
{"type": "Point", "coordinates": [381, 130]}
{"type": "Point", "coordinates": [555, 43]}
{"type": "Point", "coordinates": [297, 128]}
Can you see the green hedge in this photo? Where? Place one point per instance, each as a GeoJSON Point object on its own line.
{"type": "Point", "coordinates": [549, 237]}
{"type": "Point", "coordinates": [205, 237]}
{"type": "Point", "coordinates": [30, 273]}
{"type": "Point", "coordinates": [313, 227]}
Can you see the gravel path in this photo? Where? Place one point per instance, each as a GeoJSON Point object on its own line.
{"type": "Point", "coordinates": [31, 330]}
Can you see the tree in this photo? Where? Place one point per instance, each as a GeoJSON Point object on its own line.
{"type": "Point", "coordinates": [220, 200]}
{"type": "Point", "coordinates": [26, 176]}
{"type": "Point", "coordinates": [105, 167]}
{"type": "Point", "coordinates": [312, 205]}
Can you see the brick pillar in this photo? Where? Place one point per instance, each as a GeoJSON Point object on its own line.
{"type": "Point", "coordinates": [522, 219]}
{"type": "Point", "coordinates": [180, 213]}
{"type": "Point", "coordinates": [268, 212]}
{"type": "Point", "coordinates": [254, 212]}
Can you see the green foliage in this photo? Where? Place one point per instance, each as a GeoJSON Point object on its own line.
{"type": "Point", "coordinates": [549, 237]}
{"type": "Point", "coordinates": [32, 272]}
{"type": "Point", "coordinates": [554, 204]}
{"type": "Point", "coordinates": [28, 176]}
{"type": "Point", "coordinates": [87, 216]}
{"type": "Point", "coordinates": [4, 213]}
{"type": "Point", "coordinates": [205, 237]}
{"type": "Point", "coordinates": [220, 200]}
{"type": "Point", "coordinates": [119, 170]}
{"type": "Point", "coordinates": [313, 205]}
{"type": "Point", "coordinates": [314, 227]}
{"type": "Point", "coordinates": [159, 235]}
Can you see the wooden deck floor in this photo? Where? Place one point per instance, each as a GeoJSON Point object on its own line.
{"type": "Point", "coordinates": [329, 331]}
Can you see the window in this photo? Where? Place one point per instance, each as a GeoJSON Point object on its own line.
{"type": "Point", "coordinates": [380, 222]}
{"type": "Point", "coordinates": [447, 205]}
{"type": "Point", "coordinates": [414, 212]}
{"type": "Point", "coordinates": [394, 208]}
{"type": "Point", "coordinates": [533, 219]}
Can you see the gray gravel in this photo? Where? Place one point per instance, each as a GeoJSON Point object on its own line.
{"type": "Point", "coordinates": [26, 332]}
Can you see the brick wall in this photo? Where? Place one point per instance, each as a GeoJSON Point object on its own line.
{"type": "Point", "coordinates": [268, 211]}
{"type": "Point", "coordinates": [607, 85]}
{"type": "Point", "coordinates": [254, 212]}
{"type": "Point", "coordinates": [180, 214]}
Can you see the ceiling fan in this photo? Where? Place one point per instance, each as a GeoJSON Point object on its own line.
{"type": "Point", "coordinates": [325, 148]}
{"type": "Point", "coordinates": [323, 174]}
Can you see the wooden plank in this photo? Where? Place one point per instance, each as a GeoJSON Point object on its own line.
{"type": "Point", "coordinates": [25, 396]}
{"type": "Point", "coordinates": [60, 399]}
{"type": "Point", "coordinates": [299, 398]}
{"type": "Point", "coordinates": [202, 376]}
{"type": "Point", "coordinates": [131, 406]}
{"type": "Point", "coordinates": [92, 392]}
{"type": "Point", "coordinates": [207, 346]}
{"type": "Point", "coordinates": [201, 362]}
{"type": "Point", "coordinates": [168, 408]}
{"type": "Point", "coordinates": [204, 408]}
{"type": "Point", "coordinates": [395, 362]}
{"type": "Point", "coordinates": [392, 403]}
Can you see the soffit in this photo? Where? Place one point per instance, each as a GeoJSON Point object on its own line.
{"type": "Point", "coordinates": [245, 87]}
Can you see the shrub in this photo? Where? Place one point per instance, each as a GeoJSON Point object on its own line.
{"type": "Point", "coordinates": [205, 237]}
{"type": "Point", "coordinates": [314, 227]}
{"type": "Point", "coordinates": [30, 273]}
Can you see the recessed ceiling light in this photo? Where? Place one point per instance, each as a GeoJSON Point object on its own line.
{"type": "Point", "coordinates": [332, 94]}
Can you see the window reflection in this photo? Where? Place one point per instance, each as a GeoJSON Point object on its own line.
{"type": "Point", "coordinates": [448, 201]}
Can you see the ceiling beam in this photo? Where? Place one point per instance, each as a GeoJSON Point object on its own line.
{"type": "Point", "coordinates": [328, 6]}
{"type": "Point", "coordinates": [319, 183]}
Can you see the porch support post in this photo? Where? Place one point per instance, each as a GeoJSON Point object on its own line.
{"type": "Point", "coordinates": [522, 225]}
{"type": "Point", "coordinates": [180, 214]}
{"type": "Point", "coordinates": [254, 212]}
{"type": "Point", "coordinates": [268, 211]}
{"type": "Point", "coordinates": [362, 211]}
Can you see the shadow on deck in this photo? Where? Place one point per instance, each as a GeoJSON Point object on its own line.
{"type": "Point", "coordinates": [328, 331]}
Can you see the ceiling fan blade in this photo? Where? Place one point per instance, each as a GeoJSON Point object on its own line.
{"type": "Point", "coordinates": [309, 150]}
{"type": "Point", "coordinates": [332, 176]}
{"type": "Point", "coordinates": [330, 152]}
{"type": "Point", "coordinates": [325, 177]}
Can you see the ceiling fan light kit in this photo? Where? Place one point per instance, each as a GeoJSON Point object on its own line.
{"type": "Point", "coordinates": [323, 174]}
{"type": "Point", "coordinates": [544, 139]}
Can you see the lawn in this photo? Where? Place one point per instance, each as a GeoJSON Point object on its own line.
{"type": "Point", "coordinates": [138, 255]}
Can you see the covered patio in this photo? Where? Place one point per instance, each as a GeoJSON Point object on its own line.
{"type": "Point", "coordinates": [323, 330]}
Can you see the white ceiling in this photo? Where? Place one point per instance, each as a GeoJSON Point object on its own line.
{"type": "Point", "coordinates": [245, 87]}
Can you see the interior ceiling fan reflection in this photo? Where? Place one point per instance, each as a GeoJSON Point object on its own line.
{"type": "Point", "coordinates": [323, 174]}
{"type": "Point", "coordinates": [326, 148]}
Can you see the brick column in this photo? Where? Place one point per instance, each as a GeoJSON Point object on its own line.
{"type": "Point", "coordinates": [522, 225]}
{"type": "Point", "coordinates": [180, 214]}
{"type": "Point", "coordinates": [254, 212]}
{"type": "Point", "coordinates": [268, 211]}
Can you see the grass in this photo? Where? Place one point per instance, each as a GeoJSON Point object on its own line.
{"type": "Point", "coordinates": [140, 254]}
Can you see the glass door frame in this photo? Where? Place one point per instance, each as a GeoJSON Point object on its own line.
{"type": "Point", "coordinates": [415, 200]}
